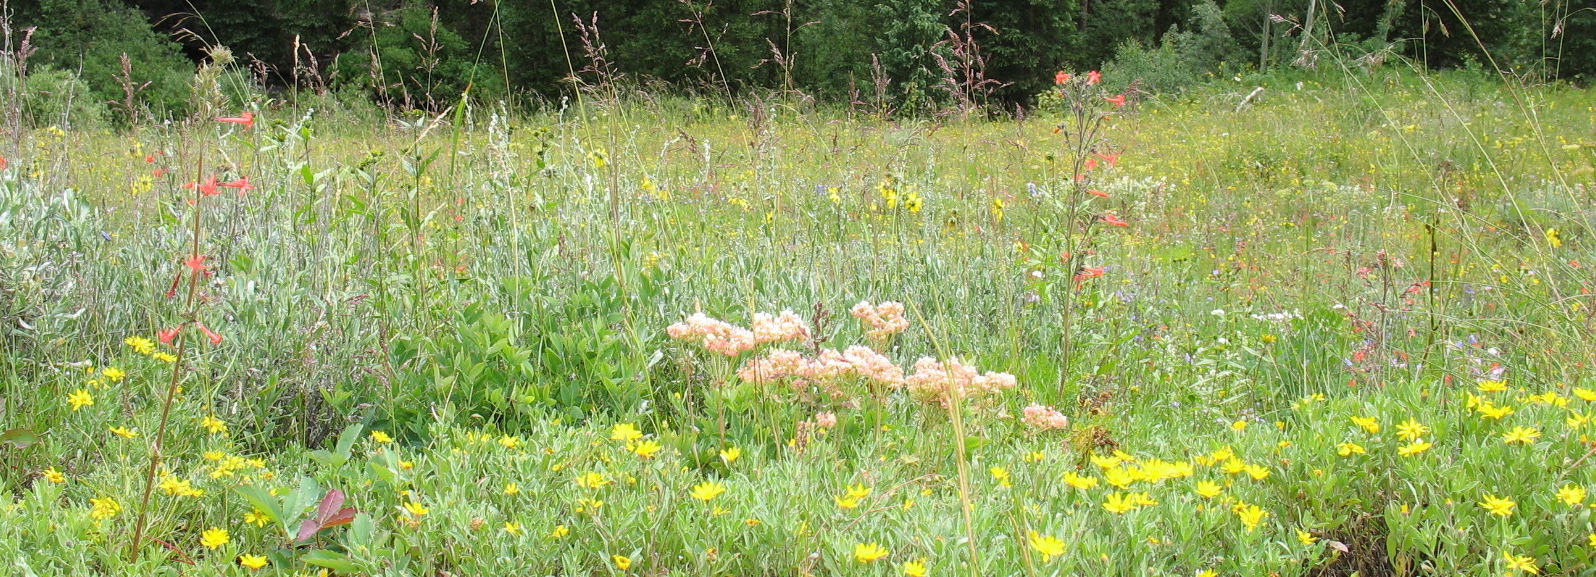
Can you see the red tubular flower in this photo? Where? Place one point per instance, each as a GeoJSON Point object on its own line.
{"type": "Point", "coordinates": [1094, 77]}
{"type": "Point", "coordinates": [241, 184]}
{"type": "Point", "coordinates": [1062, 77]}
{"type": "Point", "coordinates": [166, 335]}
{"type": "Point", "coordinates": [1118, 100]}
{"type": "Point", "coordinates": [207, 188]}
{"type": "Point", "coordinates": [215, 338]}
{"type": "Point", "coordinates": [1089, 272]}
{"type": "Point", "coordinates": [1111, 159]}
{"type": "Point", "coordinates": [1112, 220]}
{"type": "Point", "coordinates": [4, 164]}
{"type": "Point", "coordinates": [1097, 193]}
{"type": "Point", "coordinates": [1091, 164]}
{"type": "Point", "coordinates": [247, 119]}
{"type": "Point", "coordinates": [197, 263]}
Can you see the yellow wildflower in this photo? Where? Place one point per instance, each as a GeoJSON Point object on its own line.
{"type": "Point", "coordinates": [1525, 435]}
{"type": "Point", "coordinates": [214, 425]}
{"type": "Point", "coordinates": [1079, 481]}
{"type": "Point", "coordinates": [914, 568]}
{"type": "Point", "coordinates": [1209, 489]}
{"type": "Point", "coordinates": [708, 490]}
{"type": "Point", "coordinates": [592, 481]}
{"type": "Point", "coordinates": [214, 537]}
{"type": "Point", "coordinates": [1411, 430]}
{"type": "Point", "coordinates": [510, 441]}
{"type": "Point", "coordinates": [731, 454]}
{"type": "Point", "coordinates": [1119, 503]}
{"type": "Point", "coordinates": [868, 553]}
{"type": "Point", "coordinates": [1251, 515]}
{"type": "Point", "coordinates": [622, 562]}
{"type": "Point", "coordinates": [54, 476]}
{"type": "Point", "coordinates": [1492, 386]}
{"type": "Point", "coordinates": [1048, 545]}
{"type": "Point", "coordinates": [1414, 448]}
{"type": "Point", "coordinates": [252, 561]}
{"type": "Point", "coordinates": [80, 399]}
{"type": "Point", "coordinates": [645, 449]}
{"type": "Point", "coordinates": [1370, 424]}
{"type": "Point", "coordinates": [416, 509]}
{"type": "Point", "coordinates": [1521, 563]}
{"type": "Point", "coordinates": [1349, 449]}
{"type": "Point", "coordinates": [1499, 506]}
{"type": "Point", "coordinates": [124, 432]}
{"type": "Point", "coordinates": [381, 437]}
{"type": "Point", "coordinates": [559, 532]}
{"type": "Point", "coordinates": [114, 374]}
{"type": "Point", "coordinates": [105, 508]}
{"type": "Point", "coordinates": [1572, 494]}
{"type": "Point", "coordinates": [512, 528]}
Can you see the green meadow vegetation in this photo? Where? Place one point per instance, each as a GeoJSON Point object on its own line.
{"type": "Point", "coordinates": [1289, 323]}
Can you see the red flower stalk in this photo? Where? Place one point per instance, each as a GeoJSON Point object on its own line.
{"type": "Point", "coordinates": [1112, 220]}
{"type": "Point", "coordinates": [1097, 193]}
{"type": "Point", "coordinates": [247, 119]}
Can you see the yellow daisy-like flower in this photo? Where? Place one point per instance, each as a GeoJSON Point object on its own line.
{"type": "Point", "coordinates": [381, 437]}
{"type": "Point", "coordinates": [257, 518]}
{"type": "Point", "coordinates": [80, 399]}
{"type": "Point", "coordinates": [416, 509]}
{"type": "Point", "coordinates": [708, 490]}
{"type": "Point", "coordinates": [512, 528]}
{"type": "Point", "coordinates": [559, 531]}
{"type": "Point", "coordinates": [214, 537]}
{"type": "Point", "coordinates": [914, 568]}
{"type": "Point", "coordinates": [622, 562]}
{"type": "Point", "coordinates": [1048, 545]}
{"type": "Point", "coordinates": [510, 441]}
{"type": "Point", "coordinates": [164, 357]}
{"type": "Point", "coordinates": [1080, 481]}
{"type": "Point", "coordinates": [869, 553]}
{"type": "Point", "coordinates": [1209, 489]}
{"type": "Point", "coordinates": [1571, 494]}
{"type": "Point", "coordinates": [625, 433]}
{"type": "Point", "coordinates": [1412, 430]}
{"type": "Point", "coordinates": [124, 432]}
{"type": "Point", "coordinates": [114, 374]}
{"type": "Point", "coordinates": [730, 454]}
{"type": "Point", "coordinates": [1586, 395]}
{"type": "Point", "coordinates": [512, 489]}
{"type": "Point", "coordinates": [1492, 386]}
{"type": "Point", "coordinates": [592, 481]}
{"type": "Point", "coordinates": [1499, 506]}
{"type": "Point", "coordinates": [1489, 411]}
{"type": "Point", "coordinates": [1119, 503]}
{"type": "Point", "coordinates": [1306, 538]}
{"type": "Point", "coordinates": [214, 425]}
{"type": "Point", "coordinates": [1526, 564]}
{"type": "Point", "coordinates": [1368, 423]}
{"type": "Point", "coordinates": [105, 508]}
{"type": "Point", "coordinates": [645, 449]}
{"type": "Point", "coordinates": [1257, 472]}
{"type": "Point", "coordinates": [1251, 515]}
{"type": "Point", "coordinates": [1349, 449]}
{"type": "Point", "coordinates": [1414, 448]}
{"type": "Point", "coordinates": [252, 561]}
{"type": "Point", "coordinates": [54, 476]}
{"type": "Point", "coordinates": [1524, 435]}
{"type": "Point", "coordinates": [140, 345]}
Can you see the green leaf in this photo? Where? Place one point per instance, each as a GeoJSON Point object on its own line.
{"type": "Point", "coordinates": [335, 561]}
{"type": "Point", "coordinates": [19, 438]}
{"type": "Point", "coordinates": [264, 502]}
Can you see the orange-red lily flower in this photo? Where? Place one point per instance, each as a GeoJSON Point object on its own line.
{"type": "Point", "coordinates": [1118, 100]}
{"type": "Point", "coordinates": [1062, 77]}
{"type": "Point", "coordinates": [206, 188]}
{"type": "Point", "coordinates": [1094, 77]}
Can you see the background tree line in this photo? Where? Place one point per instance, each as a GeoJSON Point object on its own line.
{"type": "Point", "coordinates": [899, 54]}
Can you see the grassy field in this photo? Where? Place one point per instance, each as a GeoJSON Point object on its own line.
{"type": "Point", "coordinates": [1342, 325]}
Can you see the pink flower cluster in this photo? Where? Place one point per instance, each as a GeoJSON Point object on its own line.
{"type": "Point", "coordinates": [732, 340]}
{"type": "Point", "coordinates": [1044, 417]}
{"type": "Point", "coordinates": [830, 365]}
{"type": "Point", "coordinates": [884, 320]}
{"type": "Point", "coordinates": [931, 380]}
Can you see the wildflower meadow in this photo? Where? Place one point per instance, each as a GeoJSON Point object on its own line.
{"type": "Point", "coordinates": [1285, 324]}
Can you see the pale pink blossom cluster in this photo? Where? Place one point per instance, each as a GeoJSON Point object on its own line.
{"type": "Point", "coordinates": [732, 340]}
{"type": "Point", "coordinates": [784, 327]}
{"type": "Point", "coordinates": [826, 420]}
{"type": "Point", "coordinates": [884, 320]}
{"type": "Point", "coordinates": [829, 365]}
{"type": "Point", "coordinates": [931, 380]}
{"type": "Point", "coordinates": [1044, 417]}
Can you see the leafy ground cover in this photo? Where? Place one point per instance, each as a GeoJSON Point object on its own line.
{"type": "Point", "coordinates": [1339, 326]}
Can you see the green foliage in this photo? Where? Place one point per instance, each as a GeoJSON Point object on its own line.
{"type": "Point", "coordinates": [1183, 59]}
{"type": "Point", "coordinates": [91, 36]}
{"type": "Point", "coordinates": [61, 98]}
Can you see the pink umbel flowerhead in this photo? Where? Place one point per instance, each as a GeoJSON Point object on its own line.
{"type": "Point", "coordinates": [1044, 417]}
